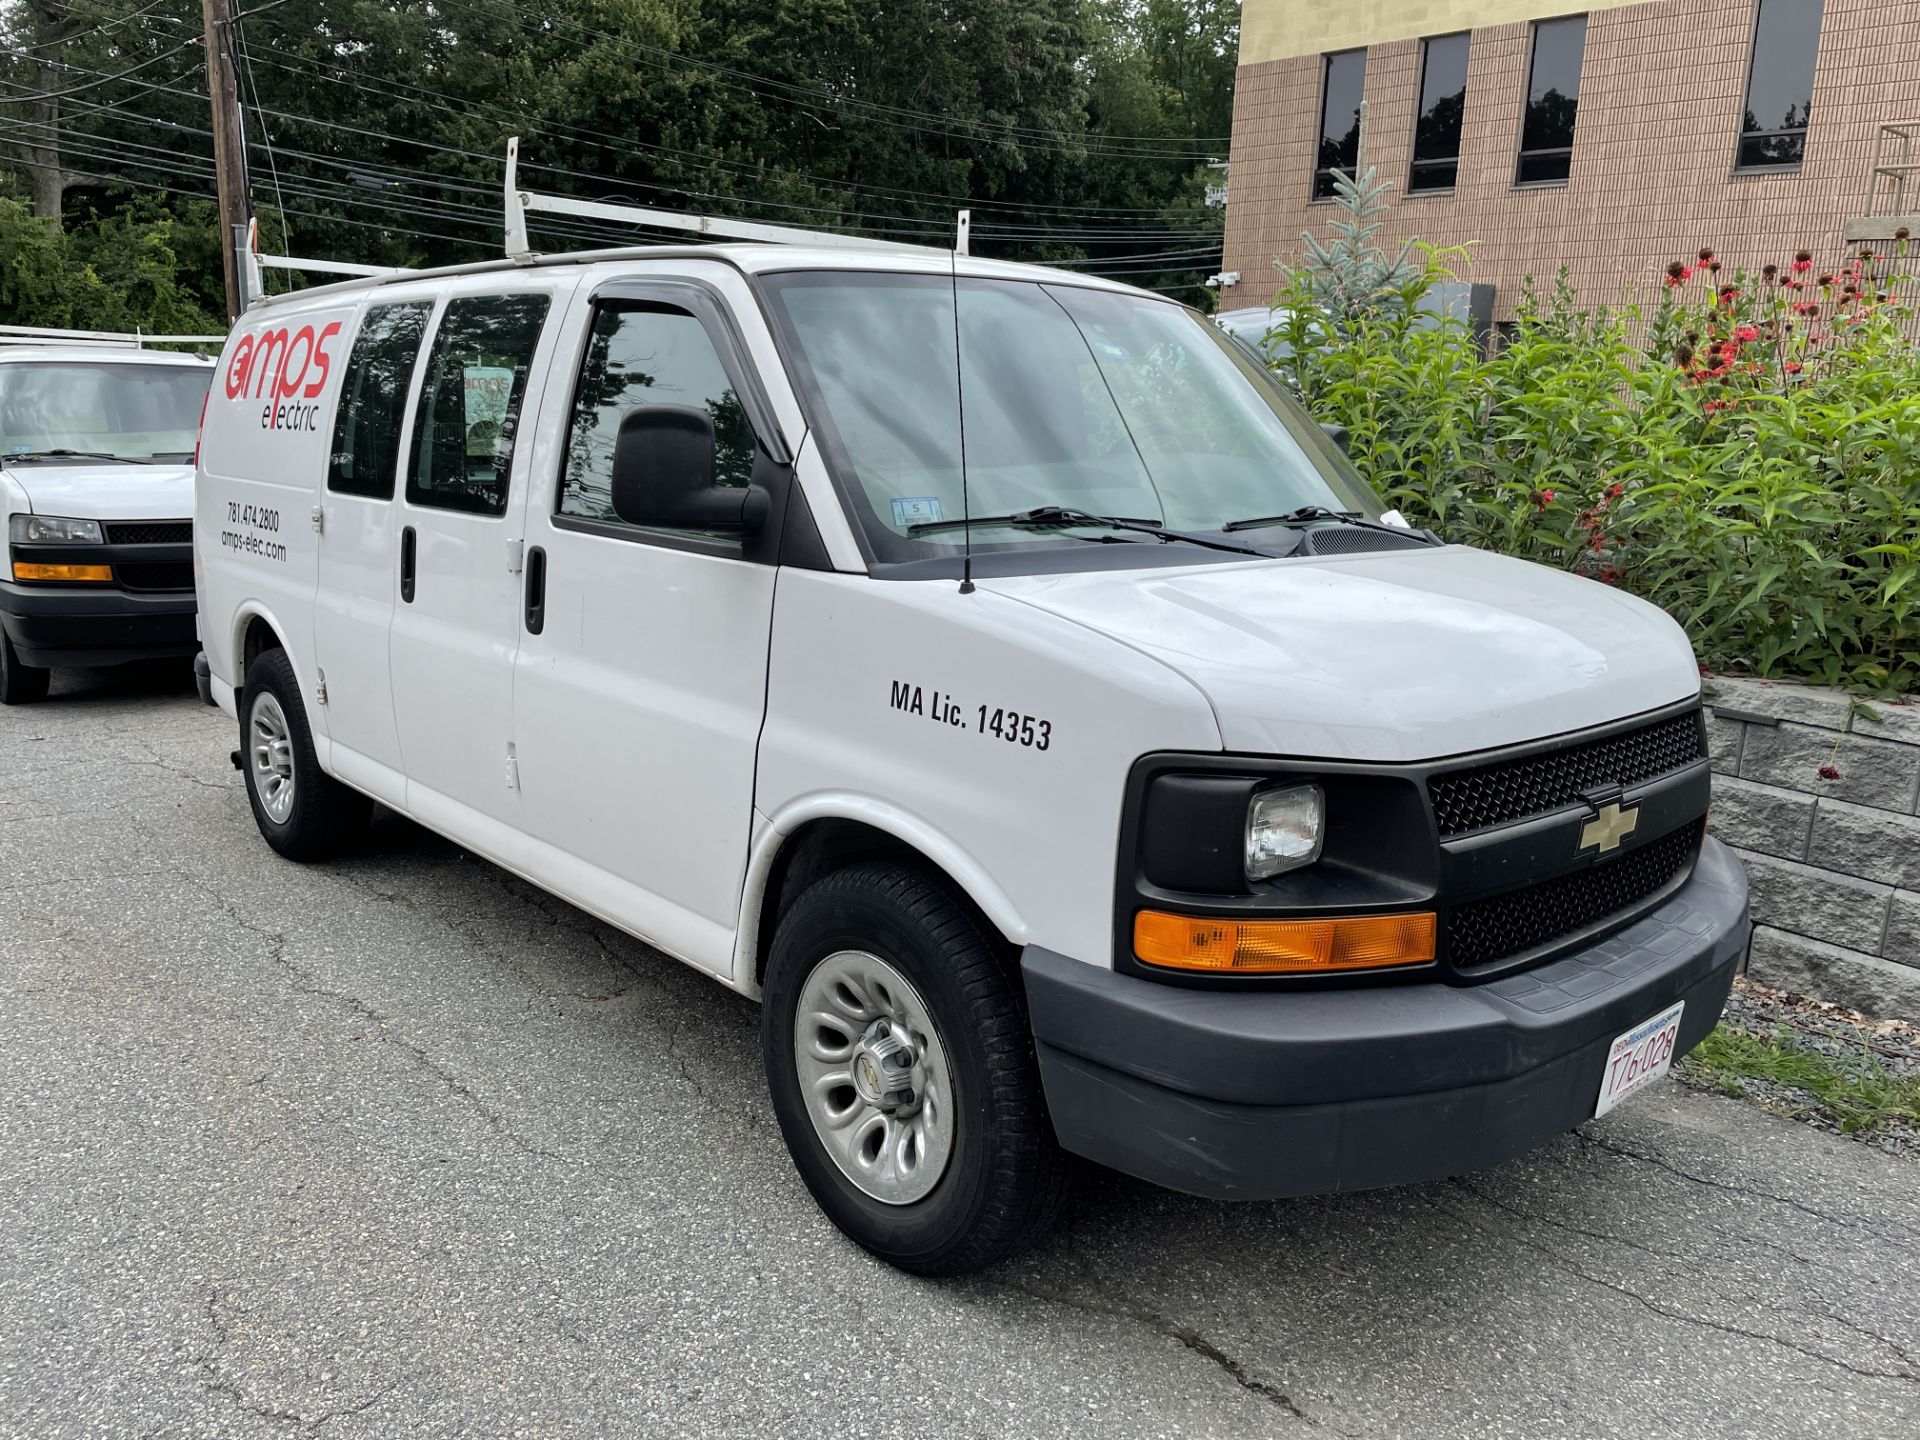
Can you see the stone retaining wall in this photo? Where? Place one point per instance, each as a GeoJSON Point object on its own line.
{"type": "Point", "coordinates": [1834, 857]}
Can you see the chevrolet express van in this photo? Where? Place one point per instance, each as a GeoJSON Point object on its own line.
{"type": "Point", "coordinates": [997, 675]}
{"type": "Point", "coordinates": [96, 493]}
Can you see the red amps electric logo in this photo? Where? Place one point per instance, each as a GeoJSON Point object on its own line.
{"type": "Point", "coordinates": [287, 368]}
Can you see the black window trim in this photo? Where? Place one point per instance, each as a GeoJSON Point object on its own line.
{"type": "Point", "coordinates": [403, 446]}
{"type": "Point", "coordinates": [1520, 153]}
{"type": "Point", "coordinates": [704, 303]}
{"type": "Point", "coordinates": [443, 303]}
{"type": "Point", "coordinates": [1740, 139]}
{"type": "Point", "coordinates": [1414, 163]}
{"type": "Point", "coordinates": [1327, 57]}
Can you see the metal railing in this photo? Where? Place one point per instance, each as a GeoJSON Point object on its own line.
{"type": "Point", "coordinates": [1893, 184]}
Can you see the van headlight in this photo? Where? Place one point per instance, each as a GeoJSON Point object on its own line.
{"type": "Point", "coordinates": [53, 530]}
{"type": "Point", "coordinates": [1285, 828]}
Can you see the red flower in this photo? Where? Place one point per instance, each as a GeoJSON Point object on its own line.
{"type": "Point", "coordinates": [1616, 490]}
{"type": "Point", "coordinates": [1608, 575]}
{"type": "Point", "coordinates": [1802, 266]}
{"type": "Point", "coordinates": [1543, 499]}
{"type": "Point", "coordinates": [1829, 771]}
{"type": "Point", "coordinates": [1793, 367]}
{"type": "Point", "coordinates": [1748, 333]}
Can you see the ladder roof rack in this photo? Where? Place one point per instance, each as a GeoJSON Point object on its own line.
{"type": "Point", "coordinates": [103, 339]}
{"type": "Point", "coordinates": [519, 245]}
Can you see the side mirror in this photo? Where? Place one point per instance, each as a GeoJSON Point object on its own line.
{"type": "Point", "coordinates": [663, 460]}
{"type": "Point", "coordinates": [1338, 435]}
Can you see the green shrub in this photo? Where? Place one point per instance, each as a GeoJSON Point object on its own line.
{"type": "Point", "coordinates": [1747, 456]}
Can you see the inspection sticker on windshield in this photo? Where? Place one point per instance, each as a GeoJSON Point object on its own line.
{"type": "Point", "coordinates": [1639, 1057]}
{"type": "Point", "coordinates": [916, 510]}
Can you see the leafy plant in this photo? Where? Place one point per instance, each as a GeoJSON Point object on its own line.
{"type": "Point", "coordinates": [1747, 456]}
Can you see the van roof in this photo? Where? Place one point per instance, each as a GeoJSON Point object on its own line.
{"type": "Point", "coordinates": [748, 257]}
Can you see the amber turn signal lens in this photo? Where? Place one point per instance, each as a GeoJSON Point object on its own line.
{"type": "Point", "coordinates": [1283, 947]}
{"type": "Point", "coordinates": [23, 570]}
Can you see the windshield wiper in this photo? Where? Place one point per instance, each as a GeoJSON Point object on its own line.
{"type": "Point", "coordinates": [1306, 513]}
{"type": "Point", "coordinates": [1054, 516]}
{"type": "Point", "coordinates": [71, 455]}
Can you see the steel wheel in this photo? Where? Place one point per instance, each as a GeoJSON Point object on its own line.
{"type": "Point", "coordinates": [271, 751]}
{"type": "Point", "coordinates": [874, 1076]}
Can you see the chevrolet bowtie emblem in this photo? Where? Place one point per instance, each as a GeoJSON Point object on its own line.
{"type": "Point", "coordinates": [1609, 827]}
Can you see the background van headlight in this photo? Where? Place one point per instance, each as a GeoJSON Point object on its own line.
{"type": "Point", "coordinates": [53, 530]}
{"type": "Point", "coordinates": [1284, 830]}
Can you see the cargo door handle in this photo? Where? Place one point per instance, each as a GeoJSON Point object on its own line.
{"type": "Point", "coordinates": [536, 590]}
{"type": "Point", "coordinates": [406, 564]}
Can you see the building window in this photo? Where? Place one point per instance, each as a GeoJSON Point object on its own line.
{"type": "Point", "coordinates": [1786, 35]}
{"type": "Point", "coordinates": [1553, 94]}
{"type": "Point", "coordinates": [1343, 82]}
{"type": "Point", "coordinates": [1443, 99]}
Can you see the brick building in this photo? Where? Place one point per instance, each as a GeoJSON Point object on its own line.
{"type": "Point", "coordinates": [1613, 139]}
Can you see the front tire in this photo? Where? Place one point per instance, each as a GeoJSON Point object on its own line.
{"type": "Point", "coordinates": [20, 684]}
{"type": "Point", "coordinates": [302, 812]}
{"type": "Point", "coordinates": [901, 1068]}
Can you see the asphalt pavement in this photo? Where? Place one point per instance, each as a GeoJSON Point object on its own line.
{"type": "Point", "coordinates": [400, 1146]}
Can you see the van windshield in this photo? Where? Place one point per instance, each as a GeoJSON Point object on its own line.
{"type": "Point", "coordinates": [120, 412]}
{"type": "Point", "coordinates": [1094, 401]}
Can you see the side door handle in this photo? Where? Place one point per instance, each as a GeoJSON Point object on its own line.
{"type": "Point", "coordinates": [406, 564]}
{"type": "Point", "coordinates": [536, 590]}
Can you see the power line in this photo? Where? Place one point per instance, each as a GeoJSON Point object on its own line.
{"type": "Point", "coordinates": [36, 96]}
{"type": "Point", "coordinates": [1024, 234]}
{"type": "Point", "coordinates": [940, 124]}
{"type": "Point", "coordinates": [630, 149]}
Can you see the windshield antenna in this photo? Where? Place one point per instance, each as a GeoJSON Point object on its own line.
{"type": "Point", "coordinates": [960, 395]}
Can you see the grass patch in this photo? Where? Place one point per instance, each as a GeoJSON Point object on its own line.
{"type": "Point", "coordinates": [1857, 1094]}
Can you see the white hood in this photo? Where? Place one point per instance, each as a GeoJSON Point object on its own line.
{"type": "Point", "coordinates": [106, 491]}
{"type": "Point", "coordinates": [1407, 655]}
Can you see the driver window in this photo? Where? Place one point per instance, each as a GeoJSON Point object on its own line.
{"type": "Point", "coordinates": [641, 353]}
{"type": "Point", "coordinates": [463, 428]}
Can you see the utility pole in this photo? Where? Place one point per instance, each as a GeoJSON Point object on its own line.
{"type": "Point", "coordinates": [229, 142]}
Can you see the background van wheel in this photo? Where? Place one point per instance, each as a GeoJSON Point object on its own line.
{"type": "Point", "coordinates": [19, 684]}
{"type": "Point", "coordinates": [302, 812]}
{"type": "Point", "coordinates": [902, 1072]}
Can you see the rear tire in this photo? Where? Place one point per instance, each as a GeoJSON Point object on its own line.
{"type": "Point", "coordinates": [913, 959]}
{"type": "Point", "coordinates": [302, 812]}
{"type": "Point", "coordinates": [20, 684]}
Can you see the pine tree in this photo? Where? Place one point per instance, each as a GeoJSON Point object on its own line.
{"type": "Point", "coordinates": [1349, 275]}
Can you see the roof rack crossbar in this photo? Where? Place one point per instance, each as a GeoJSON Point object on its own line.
{"type": "Point", "coordinates": [253, 264]}
{"type": "Point", "coordinates": [519, 202]}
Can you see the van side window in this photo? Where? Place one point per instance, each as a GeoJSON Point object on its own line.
{"type": "Point", "coordinates": [373, 403]}
{"type": "Point", "coordinates": [470, 402]}
{"type": "Point", "coordinates": [642, 353]}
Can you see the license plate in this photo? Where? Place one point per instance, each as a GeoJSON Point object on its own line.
{"type": "Point", "coordinates": [1639, 1057]}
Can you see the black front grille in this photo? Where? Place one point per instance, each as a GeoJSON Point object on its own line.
{"type": "Point", "coordinates": [1510, 790]}
{"type": "Point", "coordinates": [155, 577]}
{"type": "Point", "coordinates": [149, 532]}
{"type": "Point", "coordinates": [1483, 931]}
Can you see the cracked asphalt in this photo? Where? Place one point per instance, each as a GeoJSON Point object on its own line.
{"type": "Point", "coordinates": [399, 1146]}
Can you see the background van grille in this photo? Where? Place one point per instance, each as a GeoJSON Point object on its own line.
{"type": "Point", "coordinates": [149, 532]}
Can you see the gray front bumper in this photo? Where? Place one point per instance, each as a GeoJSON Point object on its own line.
{"type": "Point", "coordinates": [1251, 1095]}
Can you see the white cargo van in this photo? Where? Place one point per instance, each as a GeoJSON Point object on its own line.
{"type": "Point", "coordinates": [995, 673]}
{"type": "Point", "coordinates": [96, 493]}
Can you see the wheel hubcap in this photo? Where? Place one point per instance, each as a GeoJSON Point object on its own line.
{"type": "Point", "coordinates": [875, 1076]}
{"type": "Point", "coordinates": [272, 750]}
